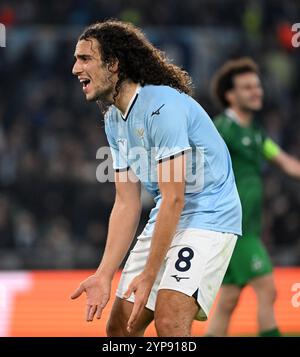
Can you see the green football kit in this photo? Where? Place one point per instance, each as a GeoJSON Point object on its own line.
{"type": "Point", "coordinates": [249, 147]}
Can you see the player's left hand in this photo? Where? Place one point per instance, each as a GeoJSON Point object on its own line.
{"type": "Point", "coordinates": [141, 286]}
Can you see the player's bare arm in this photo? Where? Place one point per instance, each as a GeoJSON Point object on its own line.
{"type": "Point", "coordinates": [172, 191]}
{"type": "Point", "coordinates": [123, 224]}
{"type": "Point", "coordinates": [288, 164]}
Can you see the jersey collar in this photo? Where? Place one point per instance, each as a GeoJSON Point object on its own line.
{"type": "Point", "coordinates": [230, 113]}
{"type": "Point", "coordinates": [131, 102]}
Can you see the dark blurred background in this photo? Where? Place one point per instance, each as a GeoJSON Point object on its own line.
{"type": "Point", "coordinates": [53, 212]}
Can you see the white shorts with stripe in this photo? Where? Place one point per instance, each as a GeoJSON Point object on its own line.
{"type": "Point", "coordinates": [195, 265]}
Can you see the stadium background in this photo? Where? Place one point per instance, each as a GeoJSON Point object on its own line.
{"type": "Point", "coordinates": [54, 213]}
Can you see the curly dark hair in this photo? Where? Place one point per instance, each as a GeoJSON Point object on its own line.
{"type": "Point", "coordinates": [223, 79]}
{"type": "Point", "coordinates": [138, 59]}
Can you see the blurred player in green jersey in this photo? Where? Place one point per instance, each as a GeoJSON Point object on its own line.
{"type": "Point", "coordinates": [238, 88]}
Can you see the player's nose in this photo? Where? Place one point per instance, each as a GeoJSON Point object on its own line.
{"type": "Point", "coordinates": [76, 70]}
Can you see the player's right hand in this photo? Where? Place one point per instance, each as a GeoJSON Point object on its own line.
{"type": "Point", "coordinates": [97, 291]}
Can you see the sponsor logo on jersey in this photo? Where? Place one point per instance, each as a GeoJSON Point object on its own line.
{"type": "Point", "coordinates": [157, 111]}
{"type": "Point", "coordinates": [178, 278]}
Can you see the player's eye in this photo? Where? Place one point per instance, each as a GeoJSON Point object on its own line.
{"type": "Point", "coordinates": [83, 58]}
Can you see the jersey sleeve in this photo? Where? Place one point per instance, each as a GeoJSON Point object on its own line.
{"type": "Point", "coordinates": [118, 150]}
{"type": "Point", "coordinates": [270, 149]}
{"type": "Point", "coordinates": [169, 131]}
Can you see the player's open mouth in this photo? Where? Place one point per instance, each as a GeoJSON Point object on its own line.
{"type": "Point", "coordinates": [85, 83]}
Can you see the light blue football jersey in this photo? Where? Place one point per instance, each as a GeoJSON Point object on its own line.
{"type": "Point", "coordinates": [161, 123]}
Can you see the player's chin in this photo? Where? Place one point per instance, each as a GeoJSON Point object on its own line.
{"type": "Point", "coordinates": [257, 108]}
{"type": "Point", "coordinates": [90, 97]}
{"type": "Point", "coordinates": [255, 105]}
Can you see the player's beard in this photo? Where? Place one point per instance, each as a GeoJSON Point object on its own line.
{"type": "Point", "coordinates": [103, 106]}
{"type": "Point", "coordinates": [104, 99]}
{"type": "Point", "coordinates": [102, 95]}
{"type": "Point", "coordinates": [247, 106]}
{"type": "Point", "coordinates": [105, 95]}
{"type": "Point", "coordinates": [250, 108]}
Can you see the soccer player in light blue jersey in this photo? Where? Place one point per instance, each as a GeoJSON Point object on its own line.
{"type": "Point", "coordinates": [163, 139]}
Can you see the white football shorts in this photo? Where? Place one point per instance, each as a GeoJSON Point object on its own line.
{"type": "Point", "coordinates": [195, 265]}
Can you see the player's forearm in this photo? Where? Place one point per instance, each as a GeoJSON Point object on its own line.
{"type": "Point", "coordinates": [288, 163]}
{"type": "Point", "coordinates": [166, 223]}
{"type": "Point", "coordinates": [293, 168]}
{"type": "Point", "coordinates": [122, 227]}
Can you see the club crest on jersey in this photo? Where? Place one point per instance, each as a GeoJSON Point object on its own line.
{"type": "Point", "coordinates": [140, 133]}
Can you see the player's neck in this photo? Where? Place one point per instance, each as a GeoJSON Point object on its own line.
{"type": "Point", "coordinates": [243, 117]}
{"type": "Point", "coordinates": [126, 93]}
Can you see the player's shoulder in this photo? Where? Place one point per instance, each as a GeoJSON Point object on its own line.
{"type": "Point", "coordinates": [111, 118]}
{"type": "Point", "coordinates": [111, 113]}
{"type": "Point", "coordinates": [257, 125]}
{"type": "Point", "coordinates": [221, 120]}
{"type": "Point", "coordinates": [159, 93]}
{"type": "Point", "coordinates": [163, 101]}
{"type": "Point", "coordinates": [160, 90]}
{"type": "Point", "coordinates": [225, 126]}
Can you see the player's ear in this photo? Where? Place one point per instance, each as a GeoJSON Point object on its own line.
{"type": "Point", "coordinates": [229, 96]}
{"type": "Point", "coordinates": [113, 66]}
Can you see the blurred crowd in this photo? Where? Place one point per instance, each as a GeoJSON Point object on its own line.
{"type": "Point", "coordinates": [53, 212]}
{"type": "Point", "coordinates": [253, 13]}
